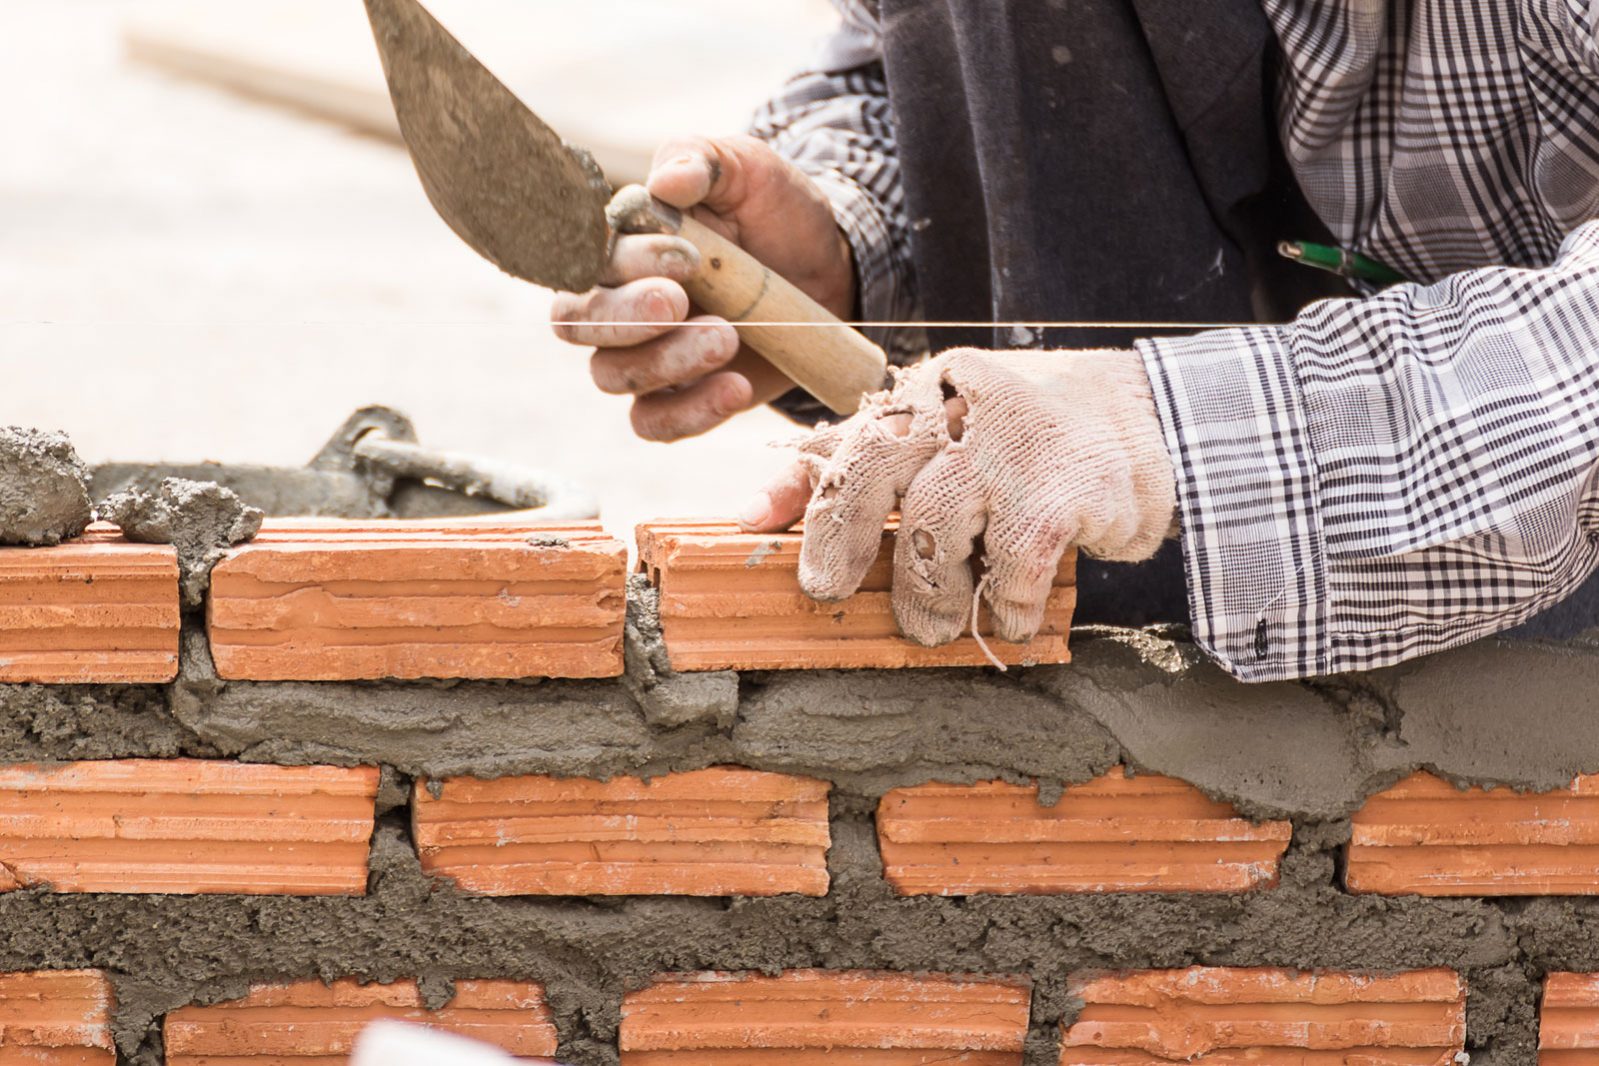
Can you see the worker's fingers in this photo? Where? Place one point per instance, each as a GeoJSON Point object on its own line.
{"type": "Point", "coordinates": [955, 410]}
{"type": "Point", "coordinates": [653, 255]}
{"type": "Point", "coordinates": [673, 415]}
{"type": "Point", "coordinates": [782, 501]}
{"type": "Point", "coordinates": [858, 487]}
{"type": "Point", "coordinates": [941, 515]}
{"type": "Point", "coordinates": [1022, 549]}
{"type": "Point", "coordinates": [715, 171]}
{"type": "Point", "coordinates": [684, 170]}
{"type": "Point", "coordinates": [779, 503]}
{"type": "Point", "coordinates": [620, 317]}
{"type": "Point", "coordinates": [681, 357]}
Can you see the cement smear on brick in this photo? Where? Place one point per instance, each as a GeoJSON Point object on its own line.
{"type": "Point", "coordinates": [201, 519]}
{"type": "Point", "coordinates": [669, 699]}
{"type": "Point", "coordinates": [1514, 714]}
{"type": "Point", "coordinates": [43, 495]}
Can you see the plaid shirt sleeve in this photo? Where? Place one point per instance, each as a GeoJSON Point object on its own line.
{"type": "Point", "coordinates": [835, 123]}
{"type": "Point", "coordinates": [1388, 477]}
{"type": "Point", "coordinates": [838, 128]}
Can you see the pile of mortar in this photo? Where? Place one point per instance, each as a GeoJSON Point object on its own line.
{"type": "Point", "coordinates": [45, 499]}
{"type": "Point", "coordinates": [48, 495]}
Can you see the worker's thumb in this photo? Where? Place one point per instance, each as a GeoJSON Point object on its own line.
{"type": "Point", "coordinates": [779, 503]}
{"type": "Point", "coordinates": [708, 171]}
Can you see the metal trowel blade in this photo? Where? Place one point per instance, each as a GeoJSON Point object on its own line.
{"type": "Point", "coordinates": [503, 180]}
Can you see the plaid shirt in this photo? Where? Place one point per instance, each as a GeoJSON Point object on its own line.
{"type": "Point", "coordinates": [1382, 477]}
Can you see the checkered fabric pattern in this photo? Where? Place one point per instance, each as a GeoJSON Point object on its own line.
{"type": "Point", "coordinates": [835, 122]}
{"type": "Point", "coordinates": [1383, 477]}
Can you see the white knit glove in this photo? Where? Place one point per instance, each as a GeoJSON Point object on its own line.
{"type": "Point", "coordinates": [1055, 449]}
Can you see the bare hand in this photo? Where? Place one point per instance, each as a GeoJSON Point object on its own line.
{"type": "Point", "coordinates": [686, 379]}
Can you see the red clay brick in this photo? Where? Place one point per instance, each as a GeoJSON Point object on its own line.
{"type": "Point", "coordinates": [1425, 836]}
{"type": "Point", "coordinates": [187, 826]}
{"type": "Point", "coordinates": [1113, 834]}
{"type": "Point", "coordinates": [732, 601]}
{"type": "Point", "coordinates": [1568, 1021]}
{"type": "Point", "coordinates": [316, 1024]}
{"type": "Point", "coordinates": [56, 1018]}
{"type": "Point", "coordinates": [820, 1018]}
{"type": "Point", "coordinates": [95, 609]}
{"type": "Point", "coordinates": [1228, 1016]}
{"type": "Point", "coordinates": [314, 600]}
{"type": "Point", "coordinates": [716, 832]}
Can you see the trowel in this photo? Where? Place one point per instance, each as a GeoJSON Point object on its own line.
{"type": "Point", "coordinates": [541, 210]}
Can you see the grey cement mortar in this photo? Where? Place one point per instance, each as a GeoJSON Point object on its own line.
{"type": "Point", "coordinates": [275, 490]}
{"type": "Point", "coordinates": [1514, 714]}
{"type": "Point", "coordinates": [44, 498]}
{"type": "Point", "coordinates": [294, 491]}
{"type": "Point", "coordinates": [201, 519]}
{"type": "Point", "coordinates": [51, 723]}
{"type": "Point", "coordinates": [669, 699]}
{"type": "Point", "coordinates": [1520, 715]}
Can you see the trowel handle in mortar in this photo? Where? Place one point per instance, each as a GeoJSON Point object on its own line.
{"type": "Point", "coordinates": [825, 357]}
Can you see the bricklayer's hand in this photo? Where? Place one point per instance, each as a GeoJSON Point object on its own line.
{"type": "Point", "coordinates": [687, 379]}
{"type": "Point", "coordinates": [1030, 451]}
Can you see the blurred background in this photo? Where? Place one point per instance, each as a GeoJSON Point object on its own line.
{"type": "Point", "coordinates": [213, 246]}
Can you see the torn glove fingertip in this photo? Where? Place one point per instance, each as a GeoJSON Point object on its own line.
{"type": "Point", "coordinates": [824, 587]}
{"type": "Point", "coordinates": [928, 628]}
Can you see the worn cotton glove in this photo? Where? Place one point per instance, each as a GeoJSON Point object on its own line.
{"type": "Point", "coordinates": [1031, 451]}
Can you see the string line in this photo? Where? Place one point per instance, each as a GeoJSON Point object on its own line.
{"type": "Point", "coordinates": [661, 324]}
{"type": "Point", "coordinates": [946, 325]}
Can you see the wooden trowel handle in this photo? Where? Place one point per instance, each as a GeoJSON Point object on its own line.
{"type": "Point", "coordinates": [825, 357]}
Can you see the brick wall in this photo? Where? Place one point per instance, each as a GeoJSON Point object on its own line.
{"type": "Point", "coordinates": [444, 771]}
{"type": "Point", "coordinates": [317, 1022]}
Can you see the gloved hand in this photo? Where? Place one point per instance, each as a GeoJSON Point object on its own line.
{"type": "Point", "coordinates": [1031, 451]}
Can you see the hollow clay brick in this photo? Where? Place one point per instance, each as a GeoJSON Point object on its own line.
{"type": "Point", "coordinates": [717, 832]}
{"type": "Point", "coordinates": [314, 1024]}
{"type": "Point", "coordinates": [1113, 834]}
{"type": "Point", "coordinates": [1424, 836]}
{"type": "Point", "coordinates": [187, 826]}
{"type": "Point", "coordinates": [313, 600]}
{"type": "Point", "coordinates": [1226, 1016]}
{"type": "Point", "coordinates": [1568, 1020]}
{"type": "Point", "coordinates": [56, 1018]}
{"type": "Point", "coordinates": [98, 609]}
{"type": "Point", "coordinates": [732, 601]}
{"type": "Point", "coordinates": [824, 1018]}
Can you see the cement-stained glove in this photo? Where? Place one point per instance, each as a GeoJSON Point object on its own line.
{"type": "Point", "coordinates": [1031, 451]}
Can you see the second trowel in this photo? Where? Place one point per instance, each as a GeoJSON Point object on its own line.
{"type": "Point", "coordinates": [540, 209]}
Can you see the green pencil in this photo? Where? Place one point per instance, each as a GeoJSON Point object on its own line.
{"type": "Point", "coordinates": [1339, 261]}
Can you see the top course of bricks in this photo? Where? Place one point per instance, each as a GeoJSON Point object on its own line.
{"type": "Point", "coordinates": [479, 598]}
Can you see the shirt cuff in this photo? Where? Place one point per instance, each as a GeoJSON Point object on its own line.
{"type": "Point", "coordinates": [1248, 500]}
{"type": "Point", "coordinates": [872, 245]}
